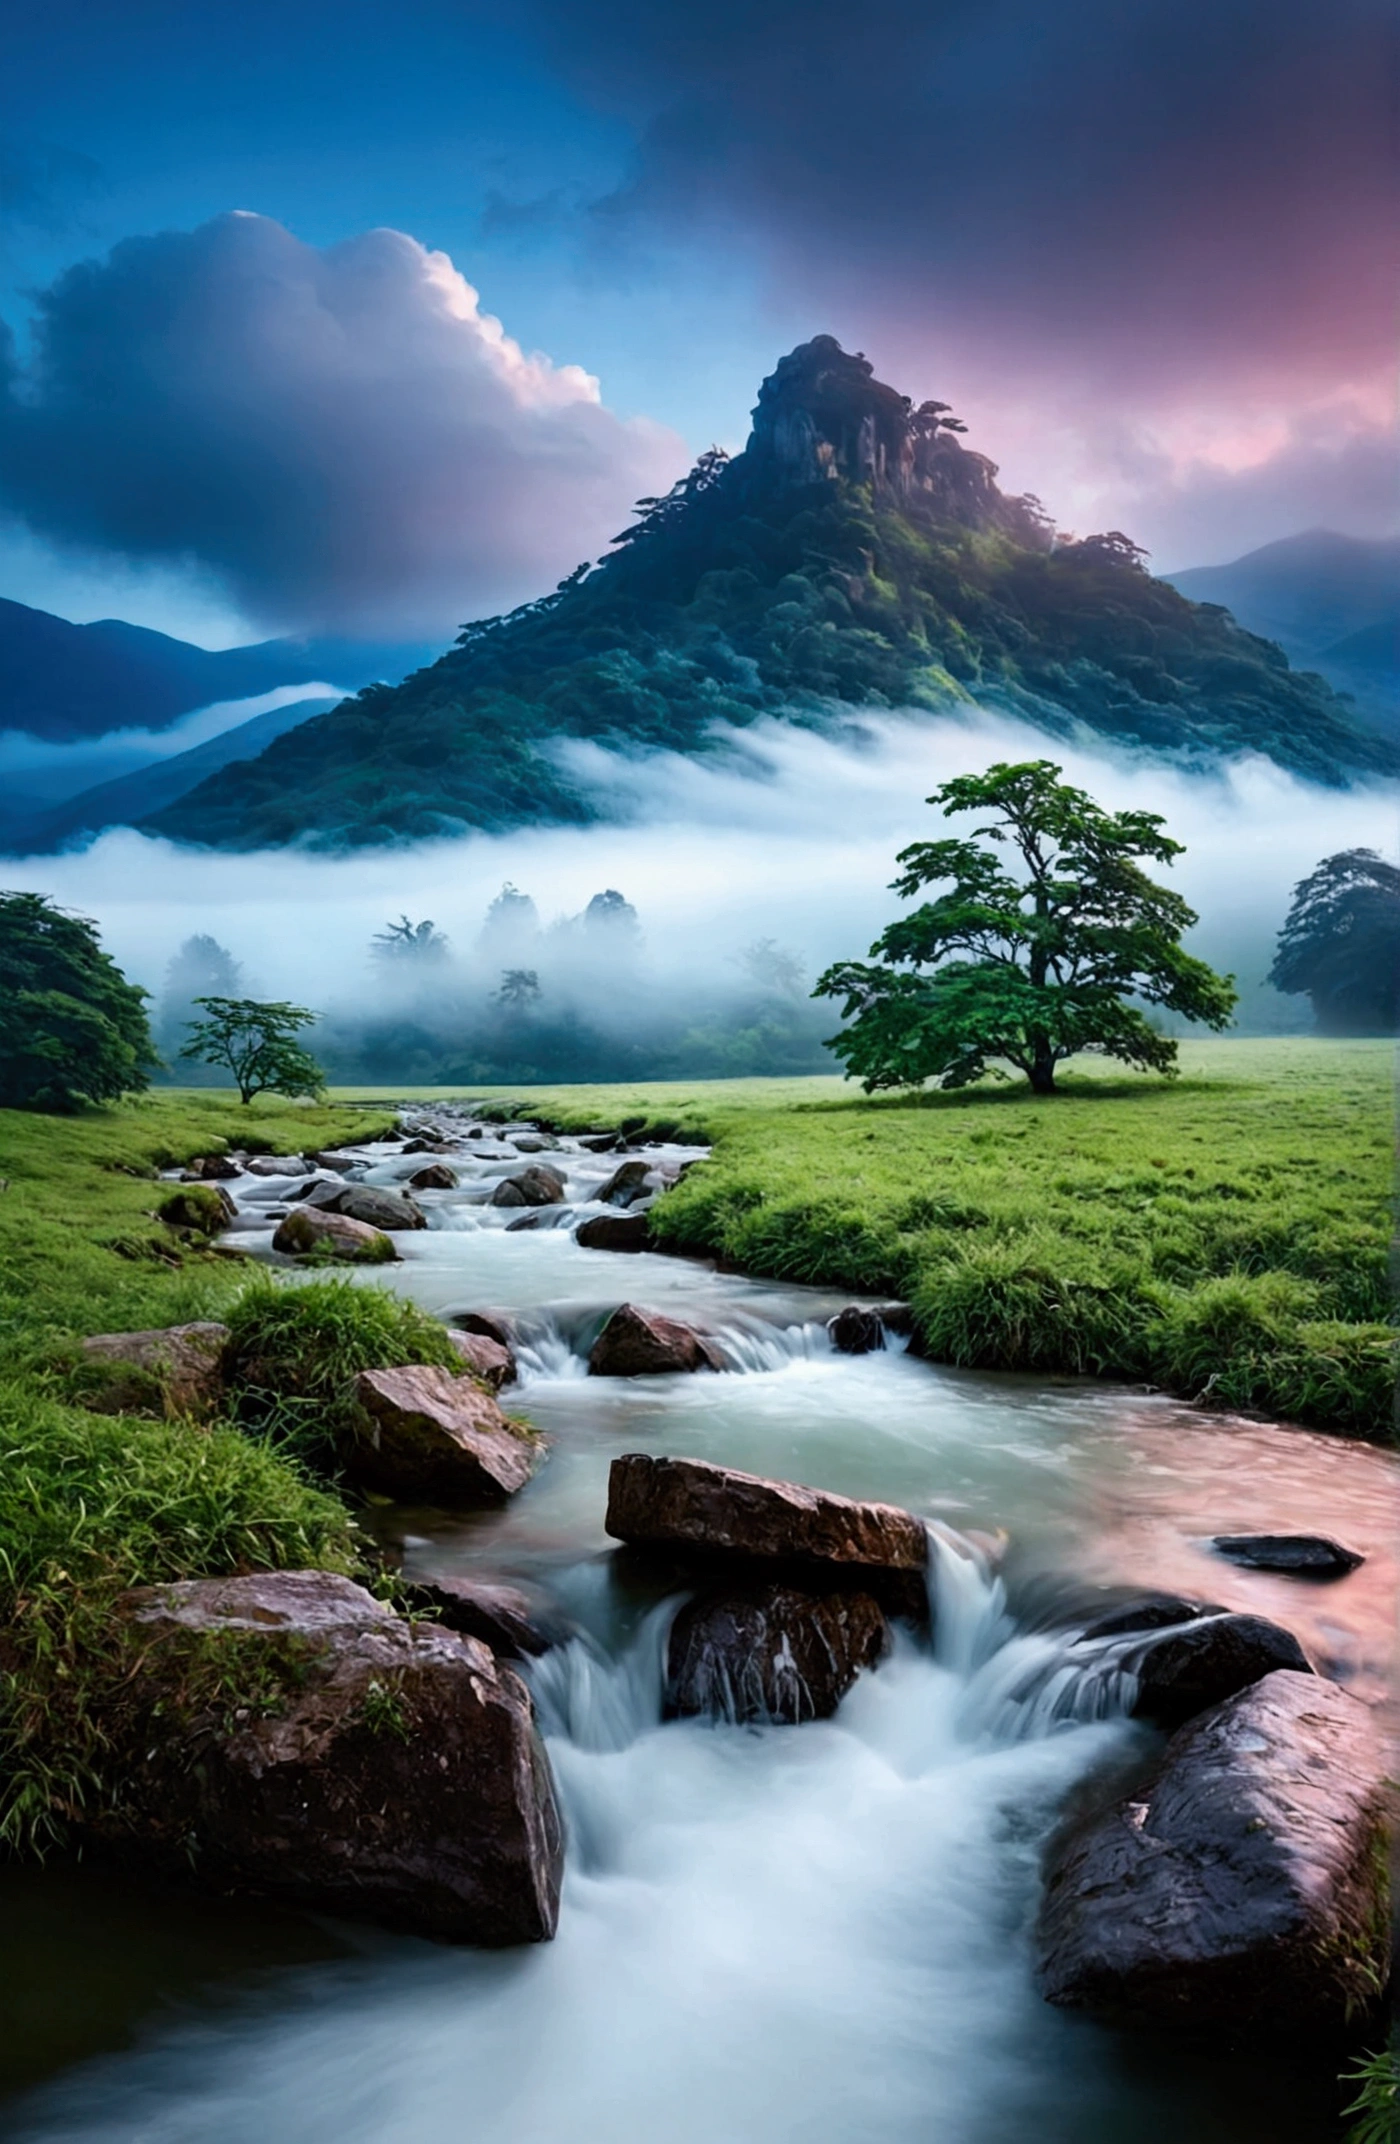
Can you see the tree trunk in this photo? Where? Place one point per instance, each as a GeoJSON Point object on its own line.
{"type": "Point", "coordinates": [1042, 1069]}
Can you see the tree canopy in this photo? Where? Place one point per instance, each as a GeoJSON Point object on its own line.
{"type": "Point", "coordinates": [1341, 944]}
{"type": "Point", "coordinates": [72, 1028]}
{"type": "Point", "coordinates": [1027, 958]}
{"type": "Point", "coordinates": [257, 1043]}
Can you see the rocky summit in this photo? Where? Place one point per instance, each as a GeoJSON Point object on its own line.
{"type": "Point", "coordinates": [855, 555]}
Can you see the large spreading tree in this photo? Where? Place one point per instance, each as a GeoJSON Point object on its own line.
{"type": "Point", "coordinates": [1048, 929]}
{"type": "Point", "coordinates": [256, 1040]}
{"type": "Point", "coordinates": [1341, 944]}
{"type": "Point", "coordinates": [72, 1028]}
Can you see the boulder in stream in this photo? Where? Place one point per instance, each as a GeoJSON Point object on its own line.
{"type": "Point", "coordinates": [770, 1652]}
{"type": "Point", "coordinates": [642, 1343]}
{"type": "Point", "coordinates": [514, 1620]}
{"type": "Point", "coordinates": [436, 1177]}
{"type": "Point", "coordinates": [498, 1325]}
{"type": "Point", "coordinates": [432, 1435]}
{"type": "Point", "coordinates": [615, 1232]}
{"type": "Point", "coordinates": [1242, 1888]}
{"type": "Point", "coordinates": [811, 1536]}
{"type": "Point", "coordinates": [627, 1184]}
{"type": "Point", "coordinates": [375, 1206]}
{"type": "Point", "coordinates": [539, 1185]}
{"type": "Point", "coordinates": [310, 1230]}
{"type": "Point", "coordinates": [279, 1165]}
{"type": "Point", "coordinates": [854, 1331]}
{"type": "Point", "coordinates": [211, 1169]}
{"type": "Point", "coordinates": [396, 1774]}
{"type": "Point", "coordinates": [492, 1361]}
{"type": "Point", "coordinates": [178, 1366]}
{"type": "Point", "coordinates": [1182, 1670]}
{"type": "Point", "coordinates": [1297, 1555]}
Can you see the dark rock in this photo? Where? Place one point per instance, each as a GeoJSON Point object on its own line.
{"type": "Point", "coordinates": [1298, 1555]}
{"type": "Point", "coordinates": [534, 1143]}
{"type": "Point", "coordinates": [185, 1362]}
{"type": "Point", "coordinates": [278, 1165]}
{"type": "Point", "coordinates": [856, 1332]}
{"type": "Point", "coordinates": [690, 1504]}
{"type": "Point", "coordinates": [1198, 1664]}
{"type": "Point", "coordinates": [601, 1142]}
{"type": "Point", "coordinates": [212, 1168]}
{"type": "Point", "coordinates": [339, 1164]}
{"type": "Point", "coordinates": [436, 1177]}
{"type": "Point", "coordinates": [515, 1622]}
{"type": "Point", "coordinates": [399, 1776]}
{"type": "Point", "coordinates": [492, 1361]}
{"type": "Point", "coordinates": [626, 1185]}
{"type": "Point", "coordinates": [1145, 1611]}
{"type": "Point", "coordinates": [641, 1343]}
{"type": "Point", "coordinates": [439, 1437]}
{"type": "Point", "coordinates": [378, 1208]}
{"type": "Point", "coordinates": [1242, 1889]}
{"type": "Point", "coordinates": [205, 1208]}
{"type": "Point", "coordinates": [539, 1185]}
{"type": "Point", "coordinates": [309, 1230]}
{"type": "Point", "coordinates": [437, 1145]}
{"type": "Point", "coordinates": [771, 1652]}
{"type": "Point", "coordinates": [526, 1221]}
{"type": "Point", "coordinates": [615, 1232]}
{"type": "Point", "coordinates": [496, 1325]}
{"type": "Point", "coordinates": [630, 1125]}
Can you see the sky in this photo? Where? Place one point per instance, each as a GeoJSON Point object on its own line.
{"type": "Point", "coordinates": [352, 318]}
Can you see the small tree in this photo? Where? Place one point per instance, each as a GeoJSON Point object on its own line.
{"type": "Point", "coordinates": [421, 944]}
{"type": "Point", "coordinates": [72, 1028]}
{"type": "Point", "coordinates": [1050, 950]}
{"type": "Point", "coordinates": [1341, 944]}
{"type": "Point", "coordinates": [256, 1043]}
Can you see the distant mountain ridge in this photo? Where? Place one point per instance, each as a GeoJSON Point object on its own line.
{"type": "Point", "coordinates": [856, 555]}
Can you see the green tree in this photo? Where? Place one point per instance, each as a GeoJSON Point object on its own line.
{"type": "Point", "coordinates": [1341, 944]}
{"type": "Point", "coordinates": [257, 1043]}
{"type": "Point", "coordinates": [422, 943]}
{"type": "Point", "coordinates": [1028, 964]}
{"type": "Point", "coordinates": [72, 1028]}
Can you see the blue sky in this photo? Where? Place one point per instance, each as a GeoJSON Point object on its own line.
{"type": "Point", "coordinates": [1145, 252]}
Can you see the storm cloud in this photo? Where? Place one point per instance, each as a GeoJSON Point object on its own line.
{"type": "Point", "coordinates": [340, 437]}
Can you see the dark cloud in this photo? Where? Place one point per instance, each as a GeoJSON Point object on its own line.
{"type": "Point", "coordinates": [340, 437]}
{"type": "Point", "coordinates": [42, 184]}
{"type": "Point", "coordinates": [1122, 190]}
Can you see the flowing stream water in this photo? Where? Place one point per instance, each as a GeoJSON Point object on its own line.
{"type": "Point", "coordinates": [769, 1935]}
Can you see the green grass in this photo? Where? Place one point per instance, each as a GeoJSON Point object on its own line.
{"type": "Point", "coordinates": [1225, 1235]}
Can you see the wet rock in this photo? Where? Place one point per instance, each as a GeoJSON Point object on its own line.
{"type": "Point", "coordinates": [183, 1362]}
{"type": "Point", "coordinates": [856, 1332]}
{"type": "Point", "coordinates": [1145, 1611]}
{"type": "Point", "coordinates": [771, 1652]}
{"type": "Point", "coordinates": [399, 1777]}
{"type": "Point", "coordinates": [1242, 1888]}
{"type": "Point", "coordinates": [539, 1185]}
{"type": "Point", "coordinates": [307, 1231]}
{"type": "Point", "coordinates": [515, 1621]}
{"type": "Point", "coordinates": [212, 1168]}
{"type": "Point", "coordinates": [205, 1208]}
{"type": "Point", "coordinates": [627, 1184]}
{"type": "Point", "coordinates": [496, 1325]}
{"type": "Point", "coordinates": [534, 1143]}
{"type": "Point", "coordinates": [641, 1343]}
{"type": "Point", "coordinates": [1198, 1664]}
{"type": "Point", "coordinates": [615, 1232]}
{"type": "Point", "coordinates": [601, 1142]}
{"type": "Point", "coordinates": [432, 1435]}
{"type": "Point", "coordinates": [339, 1164]}
{"type": "Point", "coordinates": [435, 1145]}
{"type": "Point", "coordinates": [689, 1504]}
{"type": "Point", "coordinates": [492, 1361]}
{"type": "Point", "coordinates": [278, 1165]}
{"type": "Point", "coordinates": [436, 1177]}
{"type": "Point", "coordinates": [378, 1208]}
{"type": "Point", "coordinates": [1298, 1555]}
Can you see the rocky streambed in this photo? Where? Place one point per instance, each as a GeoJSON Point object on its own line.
{"type": "Point", "coordinates": [838, 1792]}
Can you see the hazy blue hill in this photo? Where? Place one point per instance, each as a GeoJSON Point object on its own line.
{"type": "Point", "coordinates": [855, 555]}
{"type": "Point", "coordinates": [63, 682]}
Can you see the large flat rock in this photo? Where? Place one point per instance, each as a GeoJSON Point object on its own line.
{"type": "Point", "coordinates": [1242, 1889]}
{"type": "Point", "coordinates": [430, 1434]}
{"type": "Point", "coordinates": [386, 1770]}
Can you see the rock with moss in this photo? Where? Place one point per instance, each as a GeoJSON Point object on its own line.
{"type": "Point", "coordinates": [430, 1434]}
{"type": "Point", "coordinates": [309, 1232]}
{"type": "Point", "coordinates": [202, 1208]}
{"type": "Point", "coordinates": [289, 1735]}
{"type": "Point", "coordinates": [175, 1370]}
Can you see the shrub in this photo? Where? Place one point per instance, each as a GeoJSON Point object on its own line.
{"type": "Point", "coordinates": [1029, 1302]}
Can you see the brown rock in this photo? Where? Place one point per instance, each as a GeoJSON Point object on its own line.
{"type": "Point", "coordinates": [339, 1164]}
{"type": "Point", "coordinates": [434, 1435]}
{"type": "Point", "coordinates": [854, 1331]}
{"type": "Point", "coordinates": [539, 1185]}
{"type": "Point", "coordinates": [626, 1185]}
{"type": "Point", "coordinates": [641, 1343]}
{"type": "Point", "coordinates": [398, 1777]}
{"type": "Point", "coordinates": [514, 1622]}
{"type": "Point", "coordinates": [185, 1361]}
{"type": "Point", "coordinates": [1197, 1664]}
{"type": "Point", "coordinates": [496, 1325]}
{"type": "Point", "coordinates": [309, 1228]}
{"type": "Point", "coordinates": [771, 1652]}
{"type": "Point", "coordinates": [489, 1360]}
{"type": "Point", "coordinates": [377, 1207]}
{"type": "Point", "coordinates": [436, 1177]}
{"type": "Point", "coordinates": [211, 1168]}
{"type": "Point", "coordinates": [689, 1504]}
{"type": "Point", "coordinates": [615, 1232]}
{"type": "Point", "coordinates": [1242, 1889]}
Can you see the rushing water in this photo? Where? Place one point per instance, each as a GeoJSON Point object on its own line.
{"type": "Point", "coordinates": [768, 1935]}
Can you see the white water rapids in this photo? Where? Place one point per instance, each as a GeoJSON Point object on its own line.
{"type": "Point", "coordinates": [768, 1935]}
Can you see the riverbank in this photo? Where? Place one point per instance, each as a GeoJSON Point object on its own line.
{"type": "Point", "coordinates": [1224, 1236]}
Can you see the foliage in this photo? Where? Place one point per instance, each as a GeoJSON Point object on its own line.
{"type": "Point", "coordinates": [294, 1352]}
{"type": "Point", "coordinates": [72, 1028]}
{"type": "Point", "coordinates": [519, 987]}
{"type": "Point", "coordinates": [1340, 945]}
{"type": "Point", "coordinates": [422, 943]}
{"type": "Point", "coordinates": [256, 1042]}
{"type": "Point", "coordinates": [1055, 947]}
{"type": "Point", "coordinates": [1377, 2101]}
{"type": "Point", "coordinates": [736, 597]}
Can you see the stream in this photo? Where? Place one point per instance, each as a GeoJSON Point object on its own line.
{"type": "Point", "coordinates": [769, 1935]}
